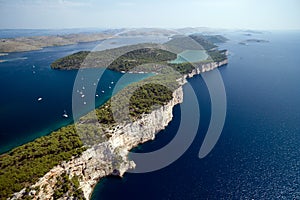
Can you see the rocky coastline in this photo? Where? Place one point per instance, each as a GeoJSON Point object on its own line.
{"type": "Point", "coordinates": [111, 157]}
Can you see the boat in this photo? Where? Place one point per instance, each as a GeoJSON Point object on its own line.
{"type": "Point", "coordinates": [84, 103]}
{"type": "Point", "coordinates": [40, 99]}
{"type": "Point", "coordinates": [65, 115]}
{"type": "Point", "coordinates": [102, 91]}
{"type": "Point", "coordinates": [109, 87]}
{"type": "Point", "coordinates": [97, 95]}
{"type": "Point", "coordinates": [112, 82]}
{"type": "Point", "coordinates": [82, 96]}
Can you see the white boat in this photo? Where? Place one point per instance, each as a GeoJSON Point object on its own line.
{"type": "Point", "coordinates": [112, 82]}
{"type": "Point", "coordinates": [65, 115]}
{"type": "Point", "coordinates": [33, 66]}
{"type": "Point", "coordinates": [82, 96]}
{"type": "Point", "coordinates": [40, 99]}
{"type": "Point", "coordinates": [102, 91]}
{"type": "Point", "coordinates": [84, 103]}
{"type": "Point", "coordinates": [109, 87]}
{"type": "Point", "coordinates": [97, 95]}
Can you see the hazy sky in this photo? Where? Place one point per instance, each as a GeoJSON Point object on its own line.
{"type": "Point", "coordinates": [248, 14]}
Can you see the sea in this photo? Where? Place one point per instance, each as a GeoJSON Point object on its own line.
{"type": "Point", "coordinates": [256, 156]}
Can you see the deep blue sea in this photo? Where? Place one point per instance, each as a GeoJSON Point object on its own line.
{"type": "Point", "coordinates": [256, 157]}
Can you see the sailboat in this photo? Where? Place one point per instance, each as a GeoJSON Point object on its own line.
{"type": "Point", "coordinates": [65, 115]}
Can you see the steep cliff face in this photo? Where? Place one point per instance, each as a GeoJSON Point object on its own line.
{"type": "Point", "coordinates": [205, 68]}
{"type": "Point", "coordinates": [111, 157]}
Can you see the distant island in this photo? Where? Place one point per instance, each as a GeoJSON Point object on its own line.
{"type": "Point", "coordinates": [246, 42]}
{"type": "Point", "coordinates": [8, 45]}
{"type": "Point", "coordinates": [69, 162]}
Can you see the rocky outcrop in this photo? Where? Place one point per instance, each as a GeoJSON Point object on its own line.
{"type": "Point", "coordinates": [201, 68]}
{"type": "Point", "coordinates": [205, 68]}
{"type": "Point", "coordinates": [111, 157]}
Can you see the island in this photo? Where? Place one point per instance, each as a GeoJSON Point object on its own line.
{"type": "Point", "coordinates": [145, 53]}
{"type": "Point", "coordinates": [246, 42]}
{"type": "Point", "coordinates": [8, 45]}
{"type": "Point", "coordinates": [68, 163]}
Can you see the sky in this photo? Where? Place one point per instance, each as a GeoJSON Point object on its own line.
{"type": "Point", "coordinates": [230, 14]}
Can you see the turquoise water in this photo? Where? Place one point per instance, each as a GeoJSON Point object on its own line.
{"type": "Point", "coordinates": [257, 155]}
{"type": "Point", "coordinates": [190, 56]}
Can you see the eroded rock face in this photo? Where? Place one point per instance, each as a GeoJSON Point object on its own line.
{"type": "Point", "coordinates": [111, 156]}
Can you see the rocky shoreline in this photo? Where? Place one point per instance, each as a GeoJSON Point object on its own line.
{"type": "Point", "coordinates": [111, 157]}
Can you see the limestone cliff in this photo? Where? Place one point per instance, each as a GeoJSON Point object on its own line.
{"type": "Point", "coordinates": [110, 157]}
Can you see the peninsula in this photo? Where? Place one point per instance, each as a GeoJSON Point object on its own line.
{"type": "Point", "coordinates": [69, 162]}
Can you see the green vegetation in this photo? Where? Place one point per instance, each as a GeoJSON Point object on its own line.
{"type": "Point", "coordinates": [145, 98]}
{"type": "Point", "coordinates": [181, 43]}
{"type": "Point", "coordinates": [215, 38]}
{"type": "Point", "coordinates": [71, 61]}
{"type": "Point", "coordinates": [125, 62]}
{"type": "Point", "coordinates": [88, 59]}
{"type": "Point", "coordinates": [126, 58]}
{"type": "Point", "coordinates": [217, 56]}
{"type": "Point", "coordinates": [66, 187]}
{"type": "Point", "coordinates": [24, 165]}
{"type": "Point", "coordinates": [182, 68]}
{"type": "Point", "coordinates": [138, 57]}
{"type": "Point", "coordinates": [207, 45]}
